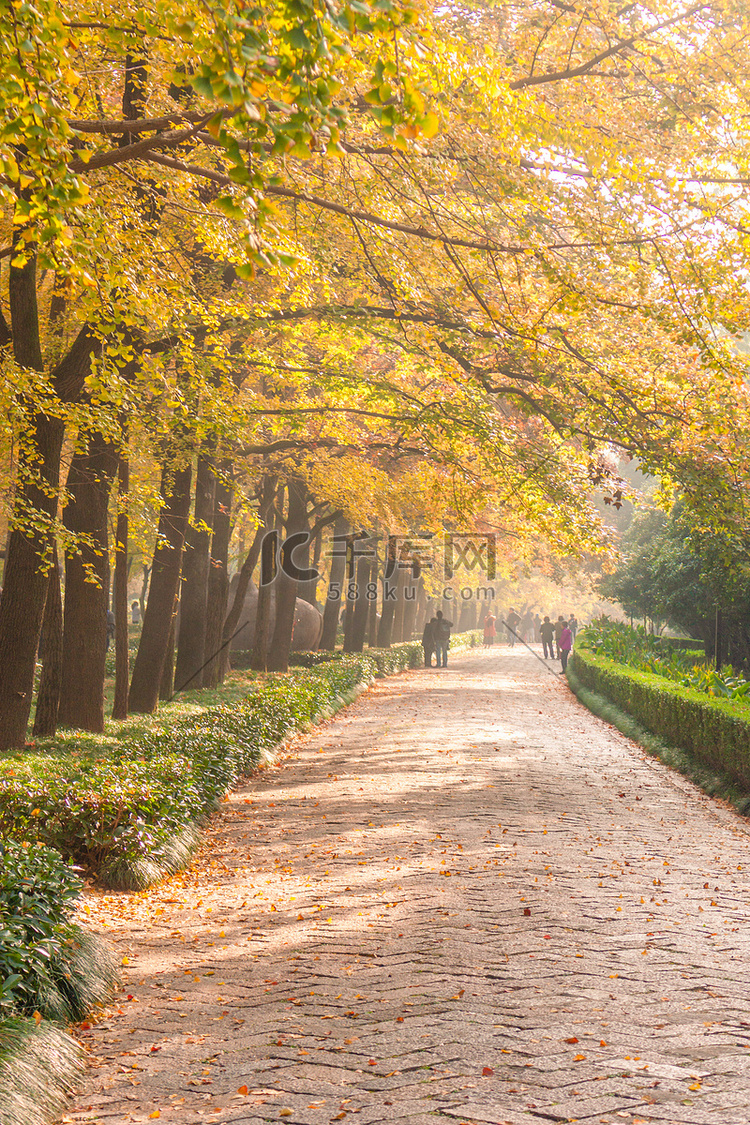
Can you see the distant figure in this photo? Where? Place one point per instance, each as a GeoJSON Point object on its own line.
{"type": "Point", "coordinates": [428, 641]}
{"type": "Point", "coordinates": [442, 638]}
{"type": "Point", "coordinates": [559, 626]}
{"type": "Point", "coordinates": [566, 644]}
{"type": "Point", "coordinates": [537, 627]}
{"type": "Point", "coordinates": [512, 622]}
{"type": "Point", "coordinates": [527, 626]}
{"type": "Point", "coordinates": [490, 632]}
{"type": "Point", "coordinates": [135, 613]}
{"type": "Point", "coordinates": [573, 625]}
{"type": "Point", "coordinates": [547, 633]}
{"type": "Point", "coordinates": [110, 627]}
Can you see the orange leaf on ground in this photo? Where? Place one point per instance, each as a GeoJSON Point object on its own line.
{"type": "Point", "coordinates": [487, 1071]}
{"type": "Point", "coordinates": [572, 1039]}
{"type": "Point", "coordinates": [242, 1090]}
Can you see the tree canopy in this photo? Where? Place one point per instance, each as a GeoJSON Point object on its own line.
{"type": "Point", "coordinates": [434, 261]}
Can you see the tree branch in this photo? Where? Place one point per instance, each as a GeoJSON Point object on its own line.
{"type": "Point", "coordinates": [139, 149]}
{"type": "Point", "coordinates": [619, 45]}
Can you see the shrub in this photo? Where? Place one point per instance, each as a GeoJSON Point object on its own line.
{"type": "Point", "coordinates": [714, 731]}
{"type": "Point", "coordinates": [47, 963]}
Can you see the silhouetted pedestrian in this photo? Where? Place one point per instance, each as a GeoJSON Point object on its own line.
{"type": "Point", "coordinates": [442, 638]}
{"type": "Point", "coordinates": [547, 633]}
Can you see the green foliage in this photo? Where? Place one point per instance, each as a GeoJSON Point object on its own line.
{"type": "Point", "coordinates": [638, 649]}
{"type": "Point", "coordinates": [47, 963]}
{"type": "Point", "coordinates": [131, 812]}
{"type": "Point", "coordinates": [716, 732]}
{"type": "Point", "coordinates": [716, 783]}
{"type": "Point", "coordinates": [39, 1068]}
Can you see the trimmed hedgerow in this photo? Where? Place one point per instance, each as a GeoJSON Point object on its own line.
{"type": "Point", "coordinates": [715, 732]}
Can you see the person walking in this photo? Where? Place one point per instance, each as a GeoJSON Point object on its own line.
{"type": "Point", "coordinates": [442, 638]}
{"type": "Point", "coordinates": [547, 633]}
{"type": "Point", "coordinates": [511, 625]}
{"type": "Point", "coordinates": [573, 625]}
{"type": "Point", "coordinates": [490, 632]}
{"type": "Point", "coordinates": [566, 644]}
{"type": "Point", "coordinates": [537, 627]}
{"type": "Point", "coordinates": [559, 625]}
{"type": "Point", "coordinates": [527, 626]}
{"type": "Point", "coordinates": [428, 641]}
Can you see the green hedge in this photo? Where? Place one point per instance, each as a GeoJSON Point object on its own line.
{"type": "Point", "coordinates": [714, 731]}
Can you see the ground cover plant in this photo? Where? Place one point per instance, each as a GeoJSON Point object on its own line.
{"type": "Point", "coordinates": [684, 665]}
{"type": "Point", "coordinates": [52, 972]}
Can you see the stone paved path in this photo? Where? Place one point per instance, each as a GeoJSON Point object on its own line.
{"type": "Point", "coordinates": [465, 900]}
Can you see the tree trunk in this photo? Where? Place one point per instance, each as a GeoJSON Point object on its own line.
{"type": "Point", "coordinates": [402, 580]}
{"type": "Point", "coordinates": [268, 555]}
{"type": "Point", "coordinates": [88, 487]}
{"type": "Point", "coordinates": [286, 585]}
{"type": "Point", "coordinates": [166, 684]}
{"type": "Point", "coordinates": [196, 565]}
{"type": "Point", "coordinates": [390, 583]}
{"type": "Point", "coordinates": [28, 558]}
{"type": "Point", "coordinates": [48, 696]}
{"type": "Point", "coordinates": [419, 622]}
{"type": "Point", "coordinates": [268, 495]}
{"type": "Point", "coordinates": [25, 589]}
{"type": "Point", "coordinates": [372, 613]}
{"type": "Point", "coordinates": [165, 578]}
{"type": "Point", "coordinates": [144, 589]}
{"type": "Point", "coordinates": [122, 654]}
{"type": "Point", "coordinates": [218, 575]}
{"type": "Point", "coordinates": [361, 605]}
{"type": "Point", "coordinates": [335, 586]}
{"type": "Point", "coordinates": [411, 593]}
{"type": "Point", "coordinates": [350, 592]}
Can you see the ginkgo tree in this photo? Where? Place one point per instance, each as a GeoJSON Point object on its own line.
{"type": "Point", "coordinates": [509, 222]}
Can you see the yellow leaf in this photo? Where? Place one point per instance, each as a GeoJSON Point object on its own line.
{"type": "Point", "coordinates": [430, 124]}
{"type": "Point", "coordinates": [156, 1113]}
